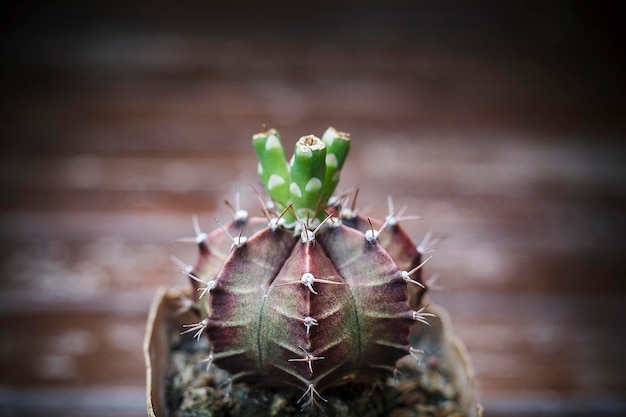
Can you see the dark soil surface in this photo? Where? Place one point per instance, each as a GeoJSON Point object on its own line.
{"type": "Point", "coordinates": [421, 386]}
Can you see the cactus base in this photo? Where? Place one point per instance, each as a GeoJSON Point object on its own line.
{"type": "Point", "coordinates": [440, 383]}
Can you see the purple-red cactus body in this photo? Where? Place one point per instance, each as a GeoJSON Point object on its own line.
{"type": "Point", "coordinates": [324, 312]}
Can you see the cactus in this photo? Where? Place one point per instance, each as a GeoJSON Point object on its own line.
{"type": "Point", "coordinates": [312, 294]}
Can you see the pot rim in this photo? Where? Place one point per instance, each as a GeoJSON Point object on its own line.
{"type": "Point", "coordinates": [156, 351]}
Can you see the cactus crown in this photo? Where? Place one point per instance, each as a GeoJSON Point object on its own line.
{"type": "Point", "coordinates": [306, 183]}
{"type": "Point", "coordinates": [331, 306]}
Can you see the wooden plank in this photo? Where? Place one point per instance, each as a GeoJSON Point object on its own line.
{"type": "Point", "coordinates": [72, 349]}
{"type": "Point", "coordinates": [118, 401]}
{"type": "Point", "coordinates": [440, 166]}
{"type": "Point", "coordinates": [78, 267]}
{"type": "Point", "coordinates": [96, 340]}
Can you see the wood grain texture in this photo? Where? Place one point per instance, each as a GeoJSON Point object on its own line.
{"type": "Point", "coordinates": [500, 130]}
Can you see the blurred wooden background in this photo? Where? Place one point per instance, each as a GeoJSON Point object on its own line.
{"type": "Point", "coordinates": [500, 125]}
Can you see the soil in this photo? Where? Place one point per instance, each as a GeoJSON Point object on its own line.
{"type": "Point", "coordinates": [421, 386]}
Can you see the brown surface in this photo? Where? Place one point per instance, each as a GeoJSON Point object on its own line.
{"type": "Point", "coordinates": [501, 131]}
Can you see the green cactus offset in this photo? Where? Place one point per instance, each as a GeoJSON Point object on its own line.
{"type": "Point", "coordinates": [311, 295]}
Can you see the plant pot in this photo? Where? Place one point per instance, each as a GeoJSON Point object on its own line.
{"type": "Point", "coordinates": [446, 356]}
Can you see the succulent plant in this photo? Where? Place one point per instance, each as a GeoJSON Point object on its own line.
{"type": "Point", "coordinates": [312, 294]}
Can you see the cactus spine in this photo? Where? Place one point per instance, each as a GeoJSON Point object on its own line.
{"type": "Point", "coordinates": [311, 295]}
